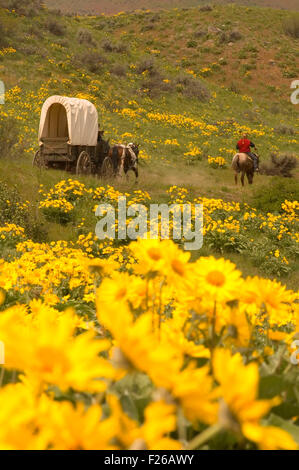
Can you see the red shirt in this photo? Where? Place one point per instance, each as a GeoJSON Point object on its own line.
{"type": "Point", "coordinates": [244, 145]}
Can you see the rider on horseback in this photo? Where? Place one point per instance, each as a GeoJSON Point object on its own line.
{"type": "Point", "coordinates": [244, 146]}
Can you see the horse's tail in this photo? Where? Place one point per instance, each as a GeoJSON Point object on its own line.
{"type": "Point", "coordinates": [235, 162]}
{"type": "Point", "coordinates": [115, 157]}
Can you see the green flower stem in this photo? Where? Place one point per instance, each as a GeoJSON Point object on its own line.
{"type": "Point", "coordinates": [205, 436]}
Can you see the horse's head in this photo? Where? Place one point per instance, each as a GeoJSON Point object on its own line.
{"type": "Point", "coordinates": [135, 148]}
{"type": "Point", "coordinates": [131, 160]}
{"type": "Point", "coordinates": [105, 147]}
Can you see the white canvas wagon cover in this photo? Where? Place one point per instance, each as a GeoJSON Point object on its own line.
{"type": "Point", "coordinates": [72, 118]}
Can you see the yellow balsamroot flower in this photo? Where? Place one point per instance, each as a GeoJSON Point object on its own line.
{"type": "Point", "coordinates": [159, 421]}
{"type": "Point", "coordinates": [150, 256]}
{"type": "Point", "coordinates": [30, 422]}
{"type": "Point", "coordinates": [11, 233]}
{"type": "Point", "coordinates": [172, 331]}
{"type": "Point", "coordinates": [67, 189]}
{"type": "Point", "coordinates": [215, 279]}
{"type": "Point", "coordinates": [2, 296]}
{"type": "Point", "coordinates": [59, 204]}
{"type": "Point", "coordinates": [240, 410]}
{"type": "Point", "coordinates": [160, 257]}
{"type": "Point", "coordinates": [102, 267]}
{"type": "Point", "coordinates": [43, 345]}
{"type": "Point", "coordinates": [270, 437]}
{"type": "Point", "coordinates": [45, 268]}
{"type": "Point", "coordinates": [77, 428]}
{"type": "Point", "coordinates": [237, 329]}
{"type": "Point", "coordinates": [120, 290]}
{"type": "Point", "coordinates": [217, 162]}
{"type": "Point", "coordinates": [193, 387]}
{"type": "Point", "coordinates": [18, 420]}
{"type": "Point", "coordinates": [277, 335]}
{"type": "Point", "coordinates": [278, 301]}
{"type": "Point", "coordinates": [249, 297]}
{"type": "Point", "coordinates": [136, 346]}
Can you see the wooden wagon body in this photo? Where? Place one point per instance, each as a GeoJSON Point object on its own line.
{"type": "Point", "coordinates": [68, 135]}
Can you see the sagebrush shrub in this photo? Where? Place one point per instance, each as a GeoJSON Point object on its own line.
{"type": "Point", "coordinates": [192, 87]}
{"type": "Point", "coordinates": [147, 64]}
{"type": "Point", "coordinates": [284, 130]}
{"type": "Point", "coordinates": [110, 46]}
{"type": "Point", "coordinates": [154, 85]}
{"type": "Point", "coordinates": [84, 36]}
{"type": "Point", "coordinates": [119, 70]}
{"type": "Point", "coordinates": [56, 28]}
{"type": "Point", "coordinates": [206, 8]}
{"type": "Point", "coordinates": [23, 7]}
{"type": "Point", "coordinates": [280, 165]}
{"type": "Point", "coordinates": [92, 60]}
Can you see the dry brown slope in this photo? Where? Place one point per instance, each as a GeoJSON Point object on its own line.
{"type": "Point", "coordinates": [116, 6]}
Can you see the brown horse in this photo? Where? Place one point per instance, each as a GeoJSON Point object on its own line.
{"type": "Point", "coordinates": [121, 158]}
{"type": "Point", "coordinates": [243, 164]}
{"type": "Point", "coordinates": [102, 150]}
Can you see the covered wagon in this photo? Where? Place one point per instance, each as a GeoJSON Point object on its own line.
{"type": "Point", "coordinates": [68, 135]}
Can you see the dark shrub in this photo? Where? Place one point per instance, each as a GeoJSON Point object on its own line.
{"type": "Point", "coordinates": [56, 28]}
{"type": "Point", "coordinates": [119, 70]}
{"type": "Point", "coordinates": [23, 7]}
{"type": "Point", "coordinates": [199, 33]}
{"type": "Point", "coordinates": [155, 17]}
{"type": "Point", "coordinates": [93, 61]}
{"type": "Point", "coordinates": [284, 130]}
{"type": "Point", "coordinates": [231, 36]}
{"type": "Point", "coordinates": [275, 108]}
{"type": "Point", "coordinates": [147, 64]}
{"type": "Point", "coordinates": [109, 46]}
{"type": "Point", "coordinates": [84, 36]}
{"type": "Point", "coordinates": [191, 44]}
{"type": "Point", "coordinates": [280, 165]}
{"type": "Point", "coordinates": [192, 87]}
{"type": "Point", "coordinates": [206, 8]}
{"type": "Point", "coordinates": [155, 85]}
{"type": "Point", "coordinates": [147, 27]}
{"type": "Point", "coordinates": [235, 35]}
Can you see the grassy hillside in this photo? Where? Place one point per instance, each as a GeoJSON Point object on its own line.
{"type": "Point", "coordinates": [116, 6]}
{"type": "Point", "coordinates": [184, 96]}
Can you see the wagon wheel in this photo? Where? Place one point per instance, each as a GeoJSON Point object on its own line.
{"type": "Point", "coordinates": [38, 160]}
{"type": "Point", "coordinates": [107, 170]}
{"type": "Point", "coordinates": [84, 164]}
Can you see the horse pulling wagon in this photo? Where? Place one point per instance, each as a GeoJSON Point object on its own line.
{"type": "Point", "coordinates": [69, 136]}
